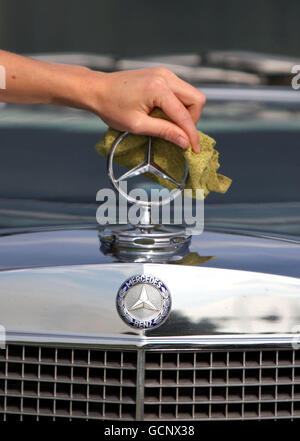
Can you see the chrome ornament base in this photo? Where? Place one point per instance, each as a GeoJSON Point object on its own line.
{"type": "Point", "coordinates": [145, 243]}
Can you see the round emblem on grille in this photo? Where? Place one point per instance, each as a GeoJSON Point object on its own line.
{"type": "Point", "coordinates": [143, 301]}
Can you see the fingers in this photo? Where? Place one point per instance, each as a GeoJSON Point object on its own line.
{"type": "Point", "coordinates": [194, 110]}
{"type": "Point", "coordinates": [193, 99]}
{"type": "Point", "coordinates": [178, 113]}
{"type": "Point", "coordinates": [129, 97]}
{"type": "Point", "coordinates": [162, 129]}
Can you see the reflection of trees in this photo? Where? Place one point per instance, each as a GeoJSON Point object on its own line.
{"type": "Point", "coordinates": [179, 324]}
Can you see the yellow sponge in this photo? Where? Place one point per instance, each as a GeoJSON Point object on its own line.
{"type": "Point", "coordinates": [202, 166]}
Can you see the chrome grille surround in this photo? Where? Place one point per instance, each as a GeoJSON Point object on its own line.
{"type": "Point", "coordinates": [210, 382]}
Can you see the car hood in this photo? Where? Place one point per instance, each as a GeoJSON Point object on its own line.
{"type": "Point", "coordinates": [77, 246]}
{"type": "Point", "coordinates": [243, 285]}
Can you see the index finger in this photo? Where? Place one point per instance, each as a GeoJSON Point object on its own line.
{"type": "Point", "coordinates": [178, 113]}
{"type": "Point", "coordinates": [190, 96]}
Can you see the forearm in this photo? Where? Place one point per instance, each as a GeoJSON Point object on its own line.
{"type": "Point", "coordinates": [36, 82]}
{"type": "Point", "coordinates": [123, 100]}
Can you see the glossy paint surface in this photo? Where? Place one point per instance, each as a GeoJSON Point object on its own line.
{"type": "Point", "coordinates": [82, 246]}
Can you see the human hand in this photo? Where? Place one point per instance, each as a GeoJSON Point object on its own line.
{"type": "Point", "coordinates": [124, 100]}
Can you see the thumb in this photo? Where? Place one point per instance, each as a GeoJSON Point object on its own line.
{"type": "Point", "coordinates": [162, 128]}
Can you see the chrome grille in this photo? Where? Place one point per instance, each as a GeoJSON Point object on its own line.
{"type": "Point", "coordinates": [53, 383]}
{"type": "Point", "coordinates": [44, 382]}
{"type": "Point", "coordinates": [200, 385]}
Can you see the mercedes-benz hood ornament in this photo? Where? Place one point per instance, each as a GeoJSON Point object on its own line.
{"type": "Point", "coordinates": [144, 242]}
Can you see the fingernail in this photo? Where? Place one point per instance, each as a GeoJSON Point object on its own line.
{"type": "Point", "coordinates": [198, 148]}
{"type": "Point", "coordinates": [182, 142]}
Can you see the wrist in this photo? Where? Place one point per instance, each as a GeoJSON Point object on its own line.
{"type": "Point", "coordinates": [74, 86]}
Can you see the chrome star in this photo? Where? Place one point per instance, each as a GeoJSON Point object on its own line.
{"type": "Point", "coordinates": [148, 166]}
{"type": "Point", "coordinates": [143, 301]}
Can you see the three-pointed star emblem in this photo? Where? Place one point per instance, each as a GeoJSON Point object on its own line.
{"type": "Point", "coordinates": [143, 301]}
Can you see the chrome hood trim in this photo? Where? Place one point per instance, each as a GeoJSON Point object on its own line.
{"type": "Point", "coordinates": [80, 300]}
{"type": "Point", "coordinates": [143, 342]}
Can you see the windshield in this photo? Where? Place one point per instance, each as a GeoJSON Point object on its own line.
{"type": "Point", "coordinates": [50, 171]}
